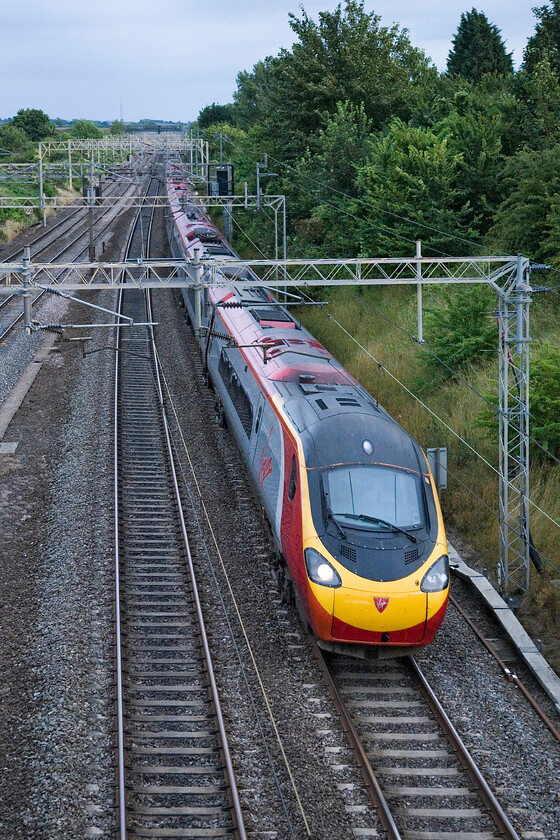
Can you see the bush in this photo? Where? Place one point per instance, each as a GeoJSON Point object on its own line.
{"type": "Point", "coordinates": [545, 397]}
{"type": "Point", "coordinates": [460, 328]}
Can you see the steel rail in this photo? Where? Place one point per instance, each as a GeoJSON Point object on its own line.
{"type": "Point", "coordinates": [511, 677]}
{"type": "Point", "coordinates": [494, 808]}
{"type": "Point", "coordinates": [118, 644]}
{"type": "Point", "coordinates": [232, 784]}
{"type": "Point", "coordinates": [49, 230]}
{"type": "Point", "coordinates": [45, 235]}
{"type": "Point", "coordinates": [236, 818]}
{"type": "Point", "coordinates": [480, 787]}
{"type": "Point", "coordinates": [118, 640]}
{"type": "Point", "coordinates": [66, 247]}
{"type": "Point", "coordinates": [376, 794]}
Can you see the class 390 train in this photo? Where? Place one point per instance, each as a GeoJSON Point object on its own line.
{"type": "Point", "coordinates": [348, 493]}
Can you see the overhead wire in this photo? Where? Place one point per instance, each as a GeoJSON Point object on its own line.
{"type": "Point", "coordinates": [366, 204]}
{"type": "Point", "coordinates": [431, 411]}
{"type": "Point", "coordinates": [382, 367]}
{"type": "Point", "coordinates": [424, 405]}
{"type": "Point", "coordinates": [346, 212]}
{"type": "Point", "coordinates": [453, 372]}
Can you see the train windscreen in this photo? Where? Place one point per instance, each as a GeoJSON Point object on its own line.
{"type": "Point", "coordinates": [370, 497]}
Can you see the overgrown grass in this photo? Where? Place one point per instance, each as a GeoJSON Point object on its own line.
{"type": "Point", "coordinates": [14, 220]}
{"type": "Point", "coordinates": [385, 348]}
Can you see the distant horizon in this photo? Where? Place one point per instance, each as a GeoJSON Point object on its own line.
{"type": "Point", "coordinates": [4, 120]}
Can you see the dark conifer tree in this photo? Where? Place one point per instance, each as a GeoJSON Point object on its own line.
{"type": "Point", "coordinates": [545, 43]}
{"type": "Point", "coordinates": [478, 49]}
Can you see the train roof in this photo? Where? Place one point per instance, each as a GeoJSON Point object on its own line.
{"type": "Point", "coordinates": [287, 359]}
{"type": "Point", "coordinates": [276, 345]}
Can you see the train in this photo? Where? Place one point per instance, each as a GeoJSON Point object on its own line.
{"type": "Point", "coordinates": [348, 493]}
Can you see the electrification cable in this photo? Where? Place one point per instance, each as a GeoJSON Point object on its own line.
{"type": "Point", "coordinates": [458, 480]}
{"type": "Point", "coordinates": [473, 389]}
{"type": "Point", "coordinates": [366, 204]}
{"type": "Point", "coordinates": [323, 185]}
{"type": "Point", "coordinates": [439, 419]}
{"type": "Point", "coordinates": [247, 237]}
{"type": "Point", "coordinates": [236, 607]}
{"type": "Point", "coordinates": [367, 222]}
{"type": "Point", "coordinates": [454, 373]}
{"type": "Point", "coordinates": [449, 368]}
{"type": "Point", "coordinates": [382, 367]}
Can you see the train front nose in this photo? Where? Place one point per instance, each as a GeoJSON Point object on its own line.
{"type": "Point", "coordinates": [379, 616]}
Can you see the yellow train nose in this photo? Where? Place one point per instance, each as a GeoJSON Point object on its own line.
{"type": "Point", "coordinates": [381, 611]}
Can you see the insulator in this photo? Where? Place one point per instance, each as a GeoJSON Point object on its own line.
{"type": "Point", "coordinates": [540, 267]}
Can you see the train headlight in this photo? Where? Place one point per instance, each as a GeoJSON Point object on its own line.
{"type": "Point", "coordinates": [437, 576]}
{"type": "Point", "coordinates": [320, 570]}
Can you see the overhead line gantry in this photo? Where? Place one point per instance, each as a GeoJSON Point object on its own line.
{"type": "Point", "coordinates": [509, 276]}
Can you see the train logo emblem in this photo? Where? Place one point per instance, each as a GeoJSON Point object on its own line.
{"type": "Point", "coordinates": [381, 603]}
{"type": "Point", "coordinates": [265, 466]}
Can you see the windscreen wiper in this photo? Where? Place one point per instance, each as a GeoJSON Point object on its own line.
{"type": "Point", "coordinates": [391, 525]}
{"type": "Point", "coordinates": [330, 515]}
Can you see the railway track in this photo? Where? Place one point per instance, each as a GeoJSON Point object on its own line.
{"type": "Point", "coordinates": [508, 660]}
{"type": "Point", "coordinates": [175, 772]}
{"type": "Point", "coordinates": [10, 304]}
{"type": "Point", "coordinates": [422, 779]}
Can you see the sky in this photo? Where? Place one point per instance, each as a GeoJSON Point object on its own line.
{"type": "Point", "coordinates": [169, 58]}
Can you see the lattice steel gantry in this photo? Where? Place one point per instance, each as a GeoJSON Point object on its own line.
{"type": "Point", "coordinates": [515, 539]}
{"type": "Point", "coordinates": [509, 276]}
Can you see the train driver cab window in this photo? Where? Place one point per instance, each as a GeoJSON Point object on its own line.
{"type": "Point", "coordinates": [292, 484]}
{"type": "Point", "coordinates": [357, 496]}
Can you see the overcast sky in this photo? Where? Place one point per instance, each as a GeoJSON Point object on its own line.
{"type": "Point", "coordinates": [169, 58]}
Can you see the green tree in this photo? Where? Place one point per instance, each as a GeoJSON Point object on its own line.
{"type": "Point", "coordinates": [349, 56]}
{"type": "Point", "coordinates": [252, 94]}
{"type": "Point", "coordinates": [526, 219]}
{"type": "Point", "coordinates": [459, 327]}
{"type": "Point", "coordinates": [117, 127]}
{"type": "Point", "coordinates": [545, 43]}
{"type": "Point", "coordinates": [85, 129]}
{"type": "Point", "coordinates": [36, 124]}
{"type": "Point", "coordinates": [215, 113]}
{"type": "Point", "coordinates": [149, 125]}
{"type": "Point", "coordinates": [481, 127]}
{"type": "Point", "coordinates": [539, 90]}
{"type": "Point", "coordinates": [346, 56]}
{"type": "Point", "coordinates": [14, 139]}
{"type": "Point", "coordinates": [478, 49]}
{"type": "Point", "coordinates": [545, 397]}
{"type": "Point", "coordinates": [320, 192]}
{"type": "Point", "coordinates": [410, 184]}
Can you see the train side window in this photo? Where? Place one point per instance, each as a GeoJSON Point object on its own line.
{"type": "Point", "coordinates": [224, 367]}
{"type": "Point", "coordinates": [292, 484]}
{"type": "Point", "coordinates": [239, 398]}
{"type": "Point", "coordinates": [258, 420]}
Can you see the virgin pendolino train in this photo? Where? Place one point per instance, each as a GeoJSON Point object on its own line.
{"type": "Point", "coordinates": [348, 493]}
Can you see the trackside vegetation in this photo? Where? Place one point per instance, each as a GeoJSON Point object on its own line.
{"type": "Point", "coordinates": [375, 149]}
